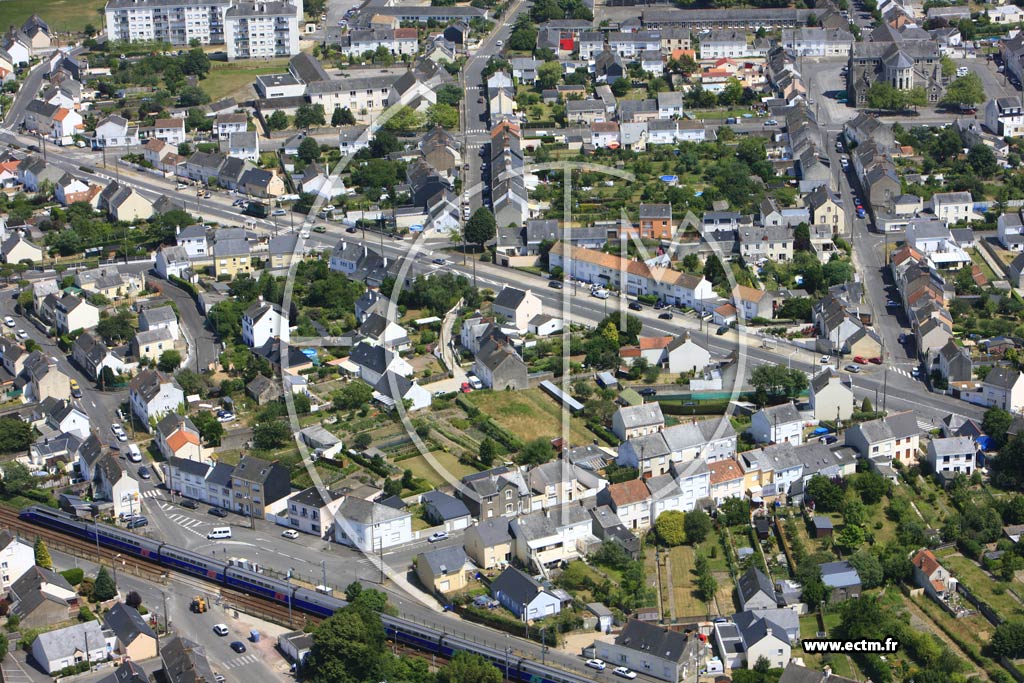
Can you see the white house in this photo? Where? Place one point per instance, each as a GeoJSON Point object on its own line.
{"type": "Point", "coordinates": [1003, 388]}
{"type": "Point", "coordinates": [777, 424]}
{"type": "Point", "coordinates": [1004, 116]}
{"type": "Point", "coordinates": [517, 306]}
{"type": "Point", "coordinates": [524, 596]}
{"type": "Point", "coordinates": [262, 322]}
{"type": "Point", "coordinates": [951, 456]}
{"type": "Point", "coordinates": [371, 526]}
{"type": "Point", "coordinates": [16, 558]}
{"type": "Point", "coordinates": [311, 512]}
{"type": "Point", "coordinates": [630, 422]}
{"type": "Point", "coordinates": [73, 313]}
{"type": "Point", "coordinates": [549, 537]}
{"type": "Point", "coordinates": [115, 131]}
{"type": "Point", "coordinates": [153, 394]}
{"type": "Point", "coordinates": [953, 207]}
{"type": "Point", "coordinates": [685, 355]}
{"type": "Point", "coordinates": [85, 642]}
{"type": "Point", "coordinates": [657, 652]}
{"type": "Point", "coordinates": [194, 241]}
{"type": "Point", "coordinates": [831, 396]}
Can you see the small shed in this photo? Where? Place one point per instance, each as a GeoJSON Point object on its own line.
{"type": "Point", "coordinates": [606, 379]}
{"type": "Point", "coordinates": [605, 618]}
{"type": "Point", "coordinates": [647, 614]}
{"type": "Point", "coordinates": [763, 528]}
{"type": "Point", "coordinates": [822, 527]}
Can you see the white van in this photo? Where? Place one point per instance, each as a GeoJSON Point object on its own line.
{"type": "Point", "coordinates": [219, 532]}
{"type": "Point", "coordinates": [134, 454]}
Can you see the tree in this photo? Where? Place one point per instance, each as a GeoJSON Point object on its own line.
{"type": "Point", "coordinates": [169, 360]}
{"type": "Point", "coordinates": [714, 271]}
{"type": "Point", "coordinates": [481, 227]}
{"type": "Point", "coordinates": [808, 573]}
{"type": "Point", "coordinates": [348, 647]}
{"type": "Point", "coordinates": [277, 121]}
{"type": "Point", "coordinates": [948, 66]}
{"type": "Point", "coordinates": [309, 115]}
{"type": "Point", "coordinates": [449, 94]}
{"type": "Point", "coordinates": [854, 512]}
{"type": "Point", "coordinates": [1008, 639]}
{"type": "Point", "coordinates": [444, 115]}
{"type": "Point", "coordinates": [362, 441]}
{"type": "Point", "coordinates": [915, 97]}
{"type": "Point", "coordinates": [872, 487]}
{"type": "Point", "coordinates": [825, 493]}
{"type": "Point", "coordinates": [669, 528]}
{"type": "Point", "coordinates": [271, 434]}
{"type": "Point", "coordinates": [734, 511]}
{"type": "Point", "coordinates": [849, 537]}
{"type": "Point", "coordinates": [3, 646]}
{"type": "Point", "coordinates": [883, 95]}
{"type": "Point", "coordinates": [352, 395]}
{"type": "Point", "coordinates": [698, 525]}
{"type": "Point", "coordinates": [116, 328]}
{"type": "Point", "coordinates": [192, 96]}
{"type": "Point", "coordinates": [707, 585]}
{"type": "Point", "coordinates": [868, 567]}
{"type": "Point", "coordinates": [983, 161]}
{"type": "Point", "coordinates": [104, 589]}
{"type": "Point", "coordinates": [486, 454]}
{"type": "Point", "coordinates": [309, 150]}
{"type": "Point", "coordinates": [405, 118]}
{"type": "Point", "coordinates": [210, 429]}
{"type": "Point", "coordinates": [469, 667]}
{"type": "Point", "coordinates": [133, 599]}
{"type": "Point", "coordinates": [798, 308]}
{"type": "Point", "coordinates": [778, 380]}
{"type": "Point", "coordinates": [549, 73]}
{"type": "Point", "coordinates": [524, 34]}
{"type": "Point", "coordinates": [342, 116]}
{"type": "Point", "coordinates": [967, 91]}
{"type": "Point", "coordinates": [15, 435]}
{"type": "Point", "coordinates": [996, 423]}
{"type": "Point", "coordinates": [536, 452]}
{"type": "Point", "coordinates": [43, 558]}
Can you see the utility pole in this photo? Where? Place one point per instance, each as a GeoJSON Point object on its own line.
{"type": "Point", "coordinates": [164, 595]}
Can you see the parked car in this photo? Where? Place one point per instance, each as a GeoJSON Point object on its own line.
{"type": "Point", "coordinates": [824, 360]}
{"type": "Point", "coordinates": [189, 503]}
{"type": "Point", "coordinates": [596, 664]}
{"type": "Point", "coordinates": [438, 536]}
{"type": "Point", "coordinates": [144, 472]}
{"type": "Point", "coordinates": [877, 360]}
{"type": "Point", "coordinates": [860, 359]}
{"type": "Point", "coordinates": [22, 335]}
{"type": "Point", "coordinates": [9, 321]}
{"type": "Point", "coordinates": [665, 316]}
{"type": "Point", "coordinates": [852, 368]}
{"type": "Point", "coordinates": [319, 228]}
{"type": "Point", "coordinates": [648, 391]}
{"type": "Point", "coordinates": [136, 522]}
{"type": "Point", "coordinates": [217, 512]}
{"type": "Point", "coordinates": [722, 329]}
{"type": "Point", "coordinates": [624, 672]}
{"type": "Point", "coordinates": [555, 284]}
{"type": "Point", "coordinates": [118, 431]}
{"type": "Point", "coordinates": [290, 533]}
{"type": "Point", "coordinates": [635, 306]}
{"type": "Point", "coordinates": [439, 261]}
{"type": "Point", "coordinates": [278, 212]}
{"type": "Point", "coordinates": [76, 390]}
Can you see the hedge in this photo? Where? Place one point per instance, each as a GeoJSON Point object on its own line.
{"type": "Point", "coordinates": [74, 575]}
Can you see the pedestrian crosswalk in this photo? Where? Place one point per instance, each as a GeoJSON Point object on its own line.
{"type": "Point", "coordinates": [241, 661]}
{"type": "Point", "coordinates": [476, 130]}
{"type": "Point", "coordinates": [925, 425]}
{"type": "Point", "coordinates": [152, 493]}
{"type": "Point", "coordinates": [185, 522]}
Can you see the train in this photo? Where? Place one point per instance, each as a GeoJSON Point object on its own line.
{"type": "Point", "coordinates": [420, 636]}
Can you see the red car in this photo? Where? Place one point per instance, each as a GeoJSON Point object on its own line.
{"type": "Point", "coordinates": [465, 388]}
{"type": "Point", "coordinates": [860, 359]}
{"type": "Point", "coordinates": [876, 360]}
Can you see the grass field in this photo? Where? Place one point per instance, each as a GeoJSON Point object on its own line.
{"type": "Point", "coordinates": [529, 414]}
{"type": "Point", "coordinates": [229, 78]}
{"type": "Point", "coordinates": [982, 585]}
{"type": "Point", "coordinates": [688, 603]}
{"type": "Point", "coordinates": [422, 469]}
{"type": "Point", "coordinates": [724, 595]}
{"type": "Point", "coordinates": [63, 16]}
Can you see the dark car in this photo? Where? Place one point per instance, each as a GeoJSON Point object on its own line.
{"type": "Point", "coordinates": [144, 472]}
{"type": "Point", "coordinates": [238, 646]}
{"type": "Point", "coordinates": [136, 522]}
{"type": "Point", "coordinates": [555, 284]}
{"type": "Point", "coordinates": [351, 229]}
{"type": "Point", "coordinates": [634, 306]}
{"type": "Point", "coordinates": [665, 316]}
{"type": "Point", "coordinates": [648, 391]}
{"type": "Point", "coordinates": [217, 512]}
{"type": "Point", "coordinates": [188, 503]}
{"type": "Point", "coordinates": [722, 329]}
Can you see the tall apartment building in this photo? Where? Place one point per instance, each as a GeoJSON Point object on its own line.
{"type": "Point", "coordinates": [261, 29]}
{"type": "Point", "coordinates": [247, 29]}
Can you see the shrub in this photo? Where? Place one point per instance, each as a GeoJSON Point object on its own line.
{"type": "Point", "coordinates": [73, 576]}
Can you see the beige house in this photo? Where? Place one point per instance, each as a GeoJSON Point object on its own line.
{"type": "Point", "coordinates": [17, 249]}
{"type": "Point", "coordinates": [443, 570]}
{"type": "Point", "coordinates": [831, 396]}
{"type": "Point", "coordinates": [826, 208]}
{"type": "Point", "coordinates": [135, 639]}
{"type": "Point", "coordinates": [517, 306]}
{"type": "Point", "coordinates": [489, 543]}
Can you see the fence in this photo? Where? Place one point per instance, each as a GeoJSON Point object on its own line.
{"type": "Point", "coordinates": [981, 606]}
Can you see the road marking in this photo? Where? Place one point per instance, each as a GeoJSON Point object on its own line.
{"type": "Point", "coordinates": [152, 493]}
{"type": "Point", "coordinates": [241, 661]}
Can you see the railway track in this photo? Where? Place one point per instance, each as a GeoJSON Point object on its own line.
{"type": "Point", "coordinates": [154, 572]}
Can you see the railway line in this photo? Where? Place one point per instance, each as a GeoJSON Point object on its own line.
{"type": "Point", "coordinates": [154, 572]}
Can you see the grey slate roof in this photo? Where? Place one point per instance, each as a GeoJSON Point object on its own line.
{"type": "Point", "coordinates": [493, 531]}
{"type": "Point", "coordinates": [127, 624]}
{"type": "Point", "coordinates": [63, 643]}
{"type": "Point", "coordinates": [655, 640]}
{"type": "Point", "coordinates": [839, 574]}
{"type": "Point", "coordinates": [519, 587]}
{"type": "Point", "coordinates": [444, 560]}
{"type": "Point", "coordinates": [753, 582]}
{"type": "Point", "coordinates": [448, 507]}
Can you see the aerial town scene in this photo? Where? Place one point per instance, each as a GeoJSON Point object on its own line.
{"type": "Point", "coordinates": [511, 341]}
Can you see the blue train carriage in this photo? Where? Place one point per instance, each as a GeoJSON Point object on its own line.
{"type": "Point", "coordinates": [258, 584]}
{"type": "Point", "coordinates": [109, 536]}
{"type": "Point", "coordinates": [417, 635]}
{"type": "Point", "coordinates": [316, 603]}
{"type": "Point", "coordinates": [193, 563]}
{"type": "Point", "coordinates": [129, 542]}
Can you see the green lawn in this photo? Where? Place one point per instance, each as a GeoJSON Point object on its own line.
{"type": "Point", "coordinates": [529, 414]}
{"type": "Point", "coordinates": [230, 78]}
{"type": "Point", "coordinates": [688, 603]}
{"type": "Point", "coordinates": [63, 16]}
{"type": "Point", "coordinates": [423, 470]}
{"type": "Point", "coordinates": [983, 586]}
